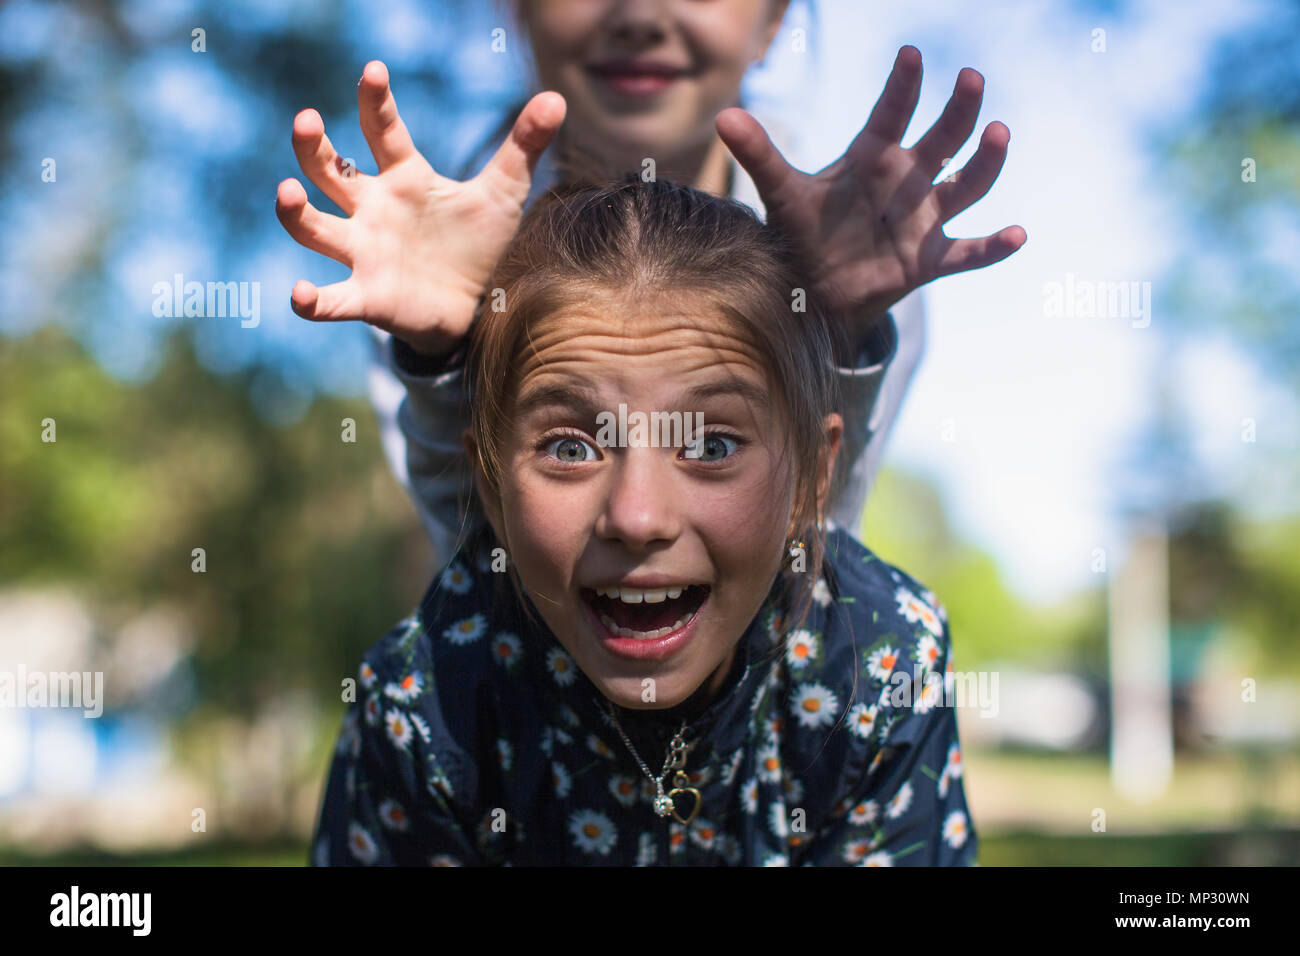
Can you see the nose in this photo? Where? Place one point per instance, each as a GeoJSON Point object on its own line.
{"type": "Point", "coordinates": [636, 23]}
{"type": "Point", "coordinates": [642, 506]}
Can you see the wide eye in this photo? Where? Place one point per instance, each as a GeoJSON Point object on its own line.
{"type": "Point", "coordinates": [712, 448]}
{"type": "Point", "coordinates": [571, 450]}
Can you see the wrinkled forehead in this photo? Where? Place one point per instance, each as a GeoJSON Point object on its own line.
{"type": "Point", "coordinates": [624, 334]}
{"type": "Point", "coordinates": [654, 352]}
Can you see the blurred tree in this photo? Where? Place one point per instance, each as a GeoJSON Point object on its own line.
{"type": "Point", "coordinates": [1234, 168]}
{"type": "Point", "coordinates": [310, 546]}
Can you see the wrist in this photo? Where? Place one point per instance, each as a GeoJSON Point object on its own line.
{"type": "Point", "coordinates": [428, 359]}
{"type": "Point", "coordinates": [858, 333]}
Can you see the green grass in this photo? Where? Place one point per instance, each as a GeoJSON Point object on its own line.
{"type": "Point", "coordinates": [1021, 848]}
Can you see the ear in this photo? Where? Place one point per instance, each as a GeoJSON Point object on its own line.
{"type": "Point", "coordinates": [834, 426]}
{"type": "Point", "coordinates": [490, 499]}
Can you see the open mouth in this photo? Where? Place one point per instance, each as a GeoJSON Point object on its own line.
{"type": "Point", "coordinates": [646, 615]}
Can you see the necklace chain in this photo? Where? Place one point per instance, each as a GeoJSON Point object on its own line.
{"type": "Point", "coordinates": [675, 759]}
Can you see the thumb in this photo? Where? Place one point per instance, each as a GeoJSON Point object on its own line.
{"type": "Point", "coordinates": [753, 149]}
{"type": "Point", "coordinates": [511, 168]}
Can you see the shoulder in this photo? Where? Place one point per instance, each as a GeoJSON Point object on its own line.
{"type": "Point", "coordinates": [886, 631]}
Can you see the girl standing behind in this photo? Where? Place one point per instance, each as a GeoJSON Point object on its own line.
{"type": "Point", "coordinates": [638, 80]}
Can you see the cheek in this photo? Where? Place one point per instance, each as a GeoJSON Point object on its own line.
{"type": "Point", "coordinates": [726, 39]}
{"type": "Point", "coordinates": [547, 523]}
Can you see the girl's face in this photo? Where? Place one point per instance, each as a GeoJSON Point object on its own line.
{"type": "Point", "coordinates": [642, 77]}
{"type": "Point", "coordinates": [692, 543]}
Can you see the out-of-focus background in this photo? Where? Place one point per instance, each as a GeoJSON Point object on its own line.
{"type": "Point", "coordinates": [1097, 468]}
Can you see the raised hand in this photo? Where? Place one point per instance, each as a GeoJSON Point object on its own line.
{"type": "Point", "coordinates": [420, 246]}
{"type": "Point", "coordinates": [870, 225]}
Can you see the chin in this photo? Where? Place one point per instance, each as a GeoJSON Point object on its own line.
{"type": "Point", "coordinates": [627, 694]}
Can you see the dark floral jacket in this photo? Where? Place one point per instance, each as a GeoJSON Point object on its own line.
{"type": "Point", "coordinates": [476, 740]}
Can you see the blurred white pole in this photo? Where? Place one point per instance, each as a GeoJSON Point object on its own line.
{"type": "Point", "coordinates": [1142, 740]}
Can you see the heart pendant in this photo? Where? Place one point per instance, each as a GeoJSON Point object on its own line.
{"type": "Point", "coordinates": [695, 809]}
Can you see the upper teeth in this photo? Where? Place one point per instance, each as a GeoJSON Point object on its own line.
{"type": "Point", "coordinates": [635, 596]}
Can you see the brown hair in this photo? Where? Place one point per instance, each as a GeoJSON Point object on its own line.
{"type": "Point", "coordinates": [638, 240]}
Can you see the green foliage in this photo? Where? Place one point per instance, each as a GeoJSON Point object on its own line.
{"type": "Point", "coordinates": [311, 550]}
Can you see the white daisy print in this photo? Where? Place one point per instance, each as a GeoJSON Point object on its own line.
{"type": "Point", "coordinates": [769, 764]}
{"type": "Point", "coordinates": [624, 788]}
{"type": "Point", "coordinates": [749, 795]}
{"type": "Point", "coordinates": [505, 754]}
{"type": "Point", "coordinates": [855, 851]}
{"type": "Point", "coordinates": [881, 662]}
{"type": "Point", "coordinates": [821, 592]}
{"type": "Point", "coordinates": [733, 767]}
{"type": "Point", "coordinates": [914, 609]}
{"type": "Point", "coordinates": [865, 812]}
{"type": "Point", "coordinates": [703, 833]}
{"type": "Point", "coordinates": [393, 816]}
{"type": "Point", "coordinates": [801, 650]}
{"type": "Point", "coordinates": [776, 819]}
{"type": "Point", "coordinates": [927, 653]}
{"type": "Point", "coordinates": [507, 649]}
{"type": "Point", "coordinates": [879, 858]}
{"type": "Point", "coordinates": [562, 668]}
{"type": "Point", "coordinates": [862, 720]}
{"type": "Point", "coordinates": [646, 850]}
{"type": "Point", "coordinates": [814, 705]}
{"type": "Point", "coordinates": [373, 710]}
{"type": "Point", "coordinates": [930, 599]}
{"type": "Point", "coordinates": [398, 727]}
{"type": "Point", "coordinates": [592, 832]}
{"type": "Point", "coordinates": [955, 830]}
{"type": "Point", "coordinates": [456, 578]}
{"type": "Point", "coordinates": [776, 859]}
{"type": "Point", "coordinates": [367, 675]}
{"type": "Point", "coordinates": [421, 727]}
{"type": "Point", "coordinates": [951, 769]}
{"type": "Point", "coordinates": [362, 844]}
{"type": "Point", "coordinates": [560, 779]}
{"type": "Point", "coordinates": [405, 690]}
{"type": "Point", "coordinates": [899, 803]}
{"type": "Point", "coordinates": [467, 630]}
{"type": "Point", "coordinates": [598, 746]}
{"type": "Point", "coordinates": [929, 695]}
{"type": "Point", "coordinates": [439, 782]}
{"type": "Point", "coordinates": [793, 789]}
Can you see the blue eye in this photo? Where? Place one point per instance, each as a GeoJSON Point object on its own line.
{"type": "Point", "coordinates": [712, 448]}
{"type": "Point", "coordinates": [570, 450]}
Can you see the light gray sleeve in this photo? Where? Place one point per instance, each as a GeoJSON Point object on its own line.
{"type": "Point", "coordinates": [872, 395]}
{"type": "Point", "coordinates": [422, 418]}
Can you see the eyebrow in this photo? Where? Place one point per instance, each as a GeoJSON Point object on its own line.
{"type": "Point", "coordinates": [558, 394]}
{"type": "Point", "coordinates": [583, 399]}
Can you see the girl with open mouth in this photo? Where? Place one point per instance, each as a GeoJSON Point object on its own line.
{"type": "Point", "coordinates": [643, 656]}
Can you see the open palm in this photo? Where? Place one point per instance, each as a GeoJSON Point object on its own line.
{"type": "Point", "coordinates": [421, 247]}
{"type": "Point", "coordinates": [870, 225]}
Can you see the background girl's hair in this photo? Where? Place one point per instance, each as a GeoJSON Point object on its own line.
{"type": "Point", "coordinates": [640, 243]}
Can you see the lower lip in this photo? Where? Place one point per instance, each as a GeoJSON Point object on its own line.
{"type": "Point", "coordinates": [651, 649]}
{"type": "Point", "coordinates": [630, 84]}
